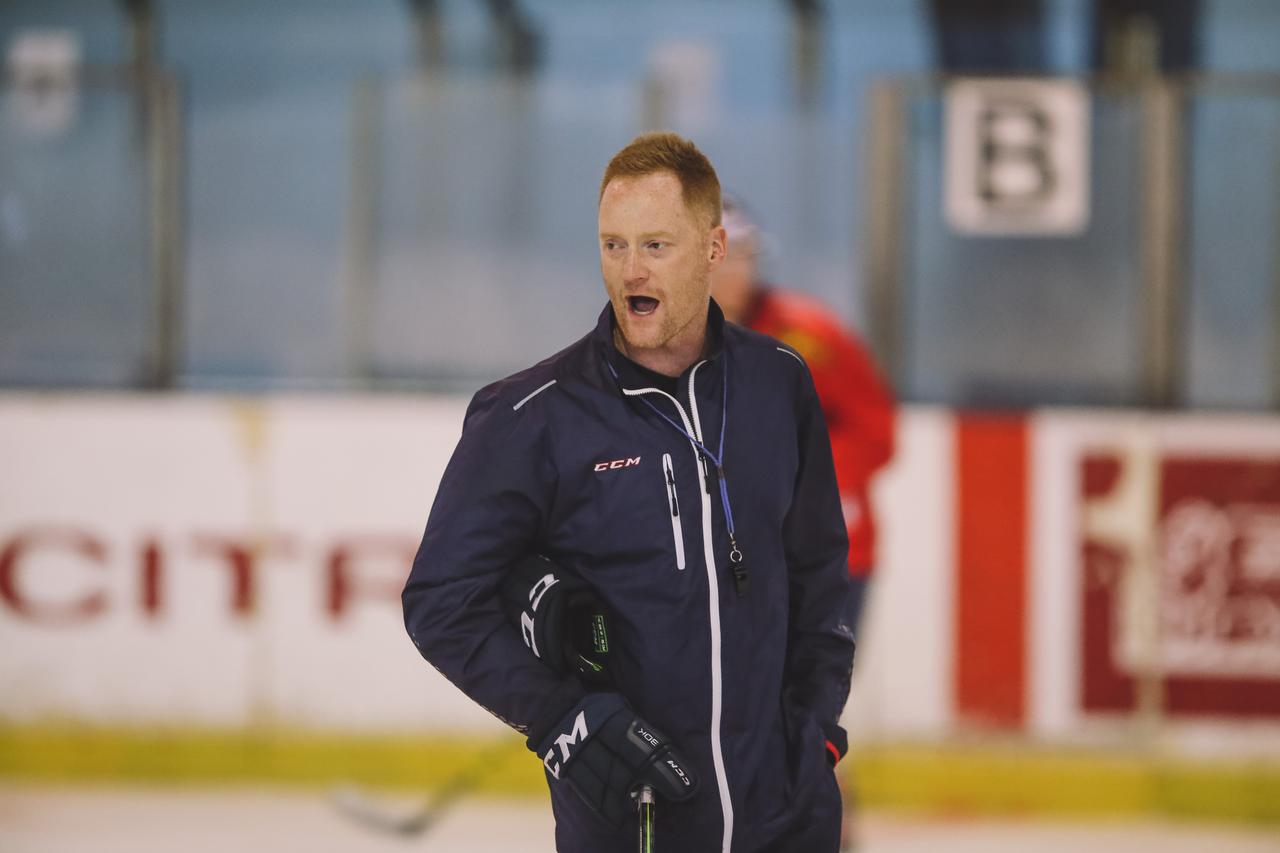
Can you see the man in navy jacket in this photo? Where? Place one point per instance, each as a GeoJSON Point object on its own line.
{"type": "Point", "coordinates": [680, 467]}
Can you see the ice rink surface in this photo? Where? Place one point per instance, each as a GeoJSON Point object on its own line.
{"type": "Point", "coordinates": [38, 819]}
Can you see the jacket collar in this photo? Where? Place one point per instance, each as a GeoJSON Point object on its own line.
{"type": "Point", "coordinates": [626, 370]}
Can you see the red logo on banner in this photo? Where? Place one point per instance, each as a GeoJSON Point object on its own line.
{"type": "Point", "coordinates": [1181, 583]}
{"type": "Point", "coordinates": [53, 575]}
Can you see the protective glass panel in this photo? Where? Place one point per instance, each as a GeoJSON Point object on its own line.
{"type": "Point", "coordinates": [75, 283]}
{"type": "Point", "coordinates": [1015, 320]}
{"type": "Point", "coordinates": [1233, 248]}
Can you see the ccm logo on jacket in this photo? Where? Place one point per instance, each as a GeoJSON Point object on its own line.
{"type": "Point", "coordinates": [617, 463]}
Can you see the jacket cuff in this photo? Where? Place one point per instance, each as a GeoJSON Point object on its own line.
{"type": "Point", "coordinates": [837, 742]}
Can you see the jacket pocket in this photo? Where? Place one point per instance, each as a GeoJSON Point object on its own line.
{"type": "Point", "coordinates": [673, 506]}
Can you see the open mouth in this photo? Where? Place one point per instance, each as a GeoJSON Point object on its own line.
{"type": "Point", "coordinates": [642, 305]}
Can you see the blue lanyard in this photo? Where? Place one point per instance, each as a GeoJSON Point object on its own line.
{"type": "Point", "coordinates": [735, 554]}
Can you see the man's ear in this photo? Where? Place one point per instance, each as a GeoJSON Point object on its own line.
{"type": "Point", "coordinates": [719, 245]}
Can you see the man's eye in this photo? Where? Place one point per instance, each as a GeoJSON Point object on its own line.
{"type": "Point", "coordinates": [657, 245]}
{"type": "Point", "coordinates": [611, 244]}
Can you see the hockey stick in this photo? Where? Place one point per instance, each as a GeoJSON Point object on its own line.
{"type": "Point", "coordinates": [357, 805]}
{"type": "Point", "coordinates": [645, 809]}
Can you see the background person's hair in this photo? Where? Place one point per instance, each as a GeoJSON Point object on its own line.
{"type": "Point", "coordinates": [670, 152]}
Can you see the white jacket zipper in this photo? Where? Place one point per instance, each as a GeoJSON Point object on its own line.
{"type": "Point", "coordinates": [713, 585]}
{"type": "Point", "coordinates": [713, 594]}
{"type": "Point", "coordinates": [673, 503]}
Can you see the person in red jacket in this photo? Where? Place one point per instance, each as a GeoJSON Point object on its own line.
{"type": "Point", "coordinates": [856, 401]}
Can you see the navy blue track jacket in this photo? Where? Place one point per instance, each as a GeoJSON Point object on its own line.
{"type": "Point", "coordinates": [567, 460]}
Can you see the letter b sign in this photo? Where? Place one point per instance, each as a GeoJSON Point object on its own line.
{"type": "Point", "coordinates": [1017, 157]}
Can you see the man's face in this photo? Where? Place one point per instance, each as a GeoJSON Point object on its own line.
{"type": "Point", "coordinates": [656, 258]}
{"type": "Point", "coordinates": [734, 282]}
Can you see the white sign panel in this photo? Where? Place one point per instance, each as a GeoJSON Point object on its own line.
{"type": "Point", "coordinates": [1017, 157]}
{"type": "Point", "coordinates": [42, 67]}
{"type": "Point", "coordinates": [207, 561]}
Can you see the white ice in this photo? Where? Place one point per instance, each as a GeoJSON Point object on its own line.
{"type": "Point", "coordinates": [47, 819]}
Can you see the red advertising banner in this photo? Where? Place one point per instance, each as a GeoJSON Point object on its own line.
{"type": "Point", "coordinates": [1181, 582]}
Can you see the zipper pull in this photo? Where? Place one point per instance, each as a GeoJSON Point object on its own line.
{"type": "Point", "coordinates": [671, 489]}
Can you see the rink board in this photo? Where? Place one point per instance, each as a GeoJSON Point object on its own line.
{"type": "Point", "coordinates": [213, 562]}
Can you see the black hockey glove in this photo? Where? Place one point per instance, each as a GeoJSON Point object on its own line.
{"type": "Point", "coordinates": [561, 620]}
{"type": "Point", "coordinates": [605, 752]}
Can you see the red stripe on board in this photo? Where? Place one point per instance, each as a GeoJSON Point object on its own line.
{"type": "Point", "coordinates": [991, 537]}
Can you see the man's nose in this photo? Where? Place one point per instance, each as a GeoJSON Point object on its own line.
{"type": "Point", "coordinates": [634, 269]}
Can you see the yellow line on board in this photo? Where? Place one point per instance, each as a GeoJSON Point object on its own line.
{"type": "Point", "coordinates": [1063, 782]}
{"type": "Point", "coordinates": [72, 753]}
{"type": "Point", "coordinates": [948, 779]}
